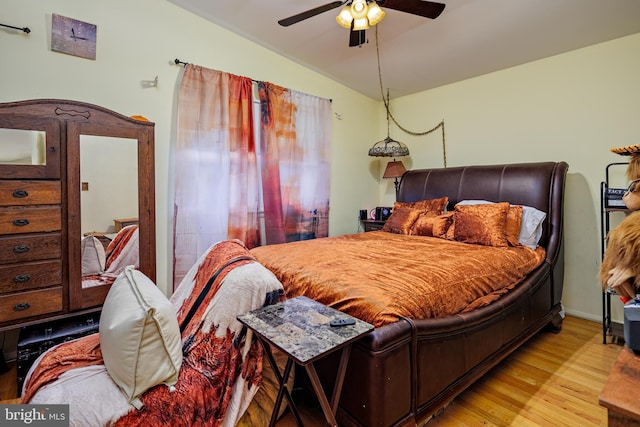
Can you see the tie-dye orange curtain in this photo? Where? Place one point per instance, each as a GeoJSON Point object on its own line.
{"type": "Point", "coordinates": [295, 141]}
{"type": "Point", "coordinates": [216, 174]}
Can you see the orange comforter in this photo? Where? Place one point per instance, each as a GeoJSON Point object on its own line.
{"type": "Point", "coordinates": [380, 277]}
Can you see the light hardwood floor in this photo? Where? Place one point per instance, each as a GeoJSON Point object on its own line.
{"type": "Point", "coordinates": [553, 380]}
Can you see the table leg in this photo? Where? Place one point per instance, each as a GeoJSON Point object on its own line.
{"type": "Point", "coordinates": [282, 390]}
{"type": "Point", "coordinates": [330, 409]}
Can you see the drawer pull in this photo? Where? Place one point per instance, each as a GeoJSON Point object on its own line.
{"type": "Point", "coordinates": [20, 222]}
{"type": "Point", "coordinates": [20, 194]}
{"type": "Point", "coordinates": [21, 278]}
{"type": "Point", "coordinates": [20, 249]}
{"type": "Point", "coordinates": [21, 306]}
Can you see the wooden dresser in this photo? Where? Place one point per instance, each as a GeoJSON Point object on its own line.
{"type": "Point", "coordinates": [40, 205]}
{"type": "Point", "coordinates": [30, 248]}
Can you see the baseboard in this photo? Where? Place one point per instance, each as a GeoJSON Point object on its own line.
{"type": "Point", "coordinates": [582, 315]}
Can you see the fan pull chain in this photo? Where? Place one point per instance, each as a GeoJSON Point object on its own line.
{"type": "Point", "coordinates": [389, 114]}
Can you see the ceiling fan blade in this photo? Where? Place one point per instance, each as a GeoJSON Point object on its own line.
{"type": "Point", "coordinates": [309, 13]}
{"type": "Point", "coordinates": [428, 9]}
{"type": "Point", "coordinates": [357, 37]}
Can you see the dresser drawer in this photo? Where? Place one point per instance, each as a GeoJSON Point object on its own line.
{"type": "Point", "coordinates": [17, 220]}
{"type": "Point", "coordinates": [30, 275]}
{"type": "Point", "coordinates": [31, 303]}
{"type": "Point", "coordinates": [24, 193]}
{"type": "Point", "coordinates": [31, 247]}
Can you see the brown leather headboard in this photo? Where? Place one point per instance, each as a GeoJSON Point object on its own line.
{"type": "Point", "coordinates": [540, 185]}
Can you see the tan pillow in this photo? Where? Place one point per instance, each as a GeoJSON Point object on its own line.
{"type": "Point", "coordinates": [93, 256]}
{"type": "Point", "coordinates": [401, 220]}
{"type": "Point", "coordinates": [139, 335]}
{"type": "Point", "coordinates": [431, 207]}
{"type": "Point", "coordinates": [481, 224]}
{"type": "Point", "coordinates": [514, 221]}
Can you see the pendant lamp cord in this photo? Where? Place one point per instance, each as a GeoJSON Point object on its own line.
{"type": "Point", "coordinates": [389, 114]}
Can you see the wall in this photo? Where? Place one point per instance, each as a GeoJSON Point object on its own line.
{"type": "Point", "coordinates": [572, 107]}
{"type": "Point", "coordinates": [137, 41]}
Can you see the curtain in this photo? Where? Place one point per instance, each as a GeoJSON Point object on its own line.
{"type": "Point", "coordinates": [216, 174]}
{"type": "Point", "coordinates": [295, 141]}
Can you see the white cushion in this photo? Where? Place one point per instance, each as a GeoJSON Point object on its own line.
{"type": "Point", "coordinates": [139, 335]}
{"type": "Point", "coordinates": [93, 256]}
{"type": "Point", "coordinates": [531, 226]}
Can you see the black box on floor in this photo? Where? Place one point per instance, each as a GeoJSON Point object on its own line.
{"type": "Point", "coordinates": [36, 339]}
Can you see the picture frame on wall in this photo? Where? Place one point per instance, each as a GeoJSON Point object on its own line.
{"type": "Point", "coordinates": [73, 37]}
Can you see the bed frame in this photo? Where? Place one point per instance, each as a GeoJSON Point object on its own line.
{"type": "Point", "coordinates": [403, 373]}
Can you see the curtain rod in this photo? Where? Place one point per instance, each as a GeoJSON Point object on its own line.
{"type": "Point", "coordinates": [25, 29]}
{"type": "Point", "coordinates": [178, 62]}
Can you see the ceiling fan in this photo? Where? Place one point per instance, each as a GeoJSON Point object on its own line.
{"type": "Point", "coordinates": [357, 15]}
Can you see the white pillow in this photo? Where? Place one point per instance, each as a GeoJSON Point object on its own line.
{"type": "Point", "coordinates": [139, 335]}
{"type": "Point", "coordinates": [93, 256]}
{"type": "Point", "coordinates": [530, 227]}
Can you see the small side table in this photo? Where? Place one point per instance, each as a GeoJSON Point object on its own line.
{"type": "Point", "coordinates": [300, 328]}
{"type": "Point", "coordinates": [372, 224]}
{"type": "Point", "coordinates": [619, 394]}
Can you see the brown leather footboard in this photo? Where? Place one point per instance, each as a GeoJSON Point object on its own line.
{"type": "Point", "coordinates": [402, 373]}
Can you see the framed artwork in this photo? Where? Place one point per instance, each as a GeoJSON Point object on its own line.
{"type": "Point", "coordinates": [73, 37]}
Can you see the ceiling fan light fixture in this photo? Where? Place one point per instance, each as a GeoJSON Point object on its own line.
{"type": "Point", "coordinates": [360, 24]}
{"type": "Point", "coordinates": [344, 18]}
{"type": "Point", "coordinates": [359, 9]}
{"type": "Point", "coordinates": [375, 13]}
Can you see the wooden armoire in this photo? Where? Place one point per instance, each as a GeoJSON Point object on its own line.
{"type": "Point", "coordinates": [40, 205]}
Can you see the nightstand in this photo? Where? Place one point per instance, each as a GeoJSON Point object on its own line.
{"type": "Point", "coordinates": [372, 224]}
{"type": "Point", "coordinates": [300, 328]}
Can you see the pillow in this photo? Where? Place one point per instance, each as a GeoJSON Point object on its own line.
{"type": "Point", "coordinates": [482, 224]}
{"type": "Point", "coordinates": [432, 226]}
{"type": "Point", "coordinates": [531, 228]}
{"type": "Point", "coordinates": [530, 224]}
{"type": "Point", "coordinates": [432, 207]}
{"type": "Point", "coordinates": [450, 231]}
{"type": "Point", "coordinates": [93, 256]}
{"type": "Point", "coordinates": [423, 225]}
{"type": "Point", "coordinates": [514, 222]}
{"type": "Point", "coordinates": [401, 220]}
{"type": "Point", "coordinates": [139, 335]}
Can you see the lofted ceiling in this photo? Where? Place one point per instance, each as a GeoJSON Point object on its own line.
{"type": "Point", "coordinates": [469, 38]}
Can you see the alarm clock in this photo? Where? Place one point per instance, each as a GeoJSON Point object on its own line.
{"type": "Point", "coordinates": [383, 213]}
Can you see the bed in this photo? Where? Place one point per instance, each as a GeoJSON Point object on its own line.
{"type": "Point", "coordinates": [424, 353]}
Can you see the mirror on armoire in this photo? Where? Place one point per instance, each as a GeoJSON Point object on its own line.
{"type": "Point", "coordinates": [114, 189]}
{"type": "Point", "coordinates": [108, 207]}
{"type": "Point", "coordinates": [23, 147]}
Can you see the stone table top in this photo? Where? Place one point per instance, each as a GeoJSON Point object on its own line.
{"type": "Point", "coordinates": [300, 327]}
